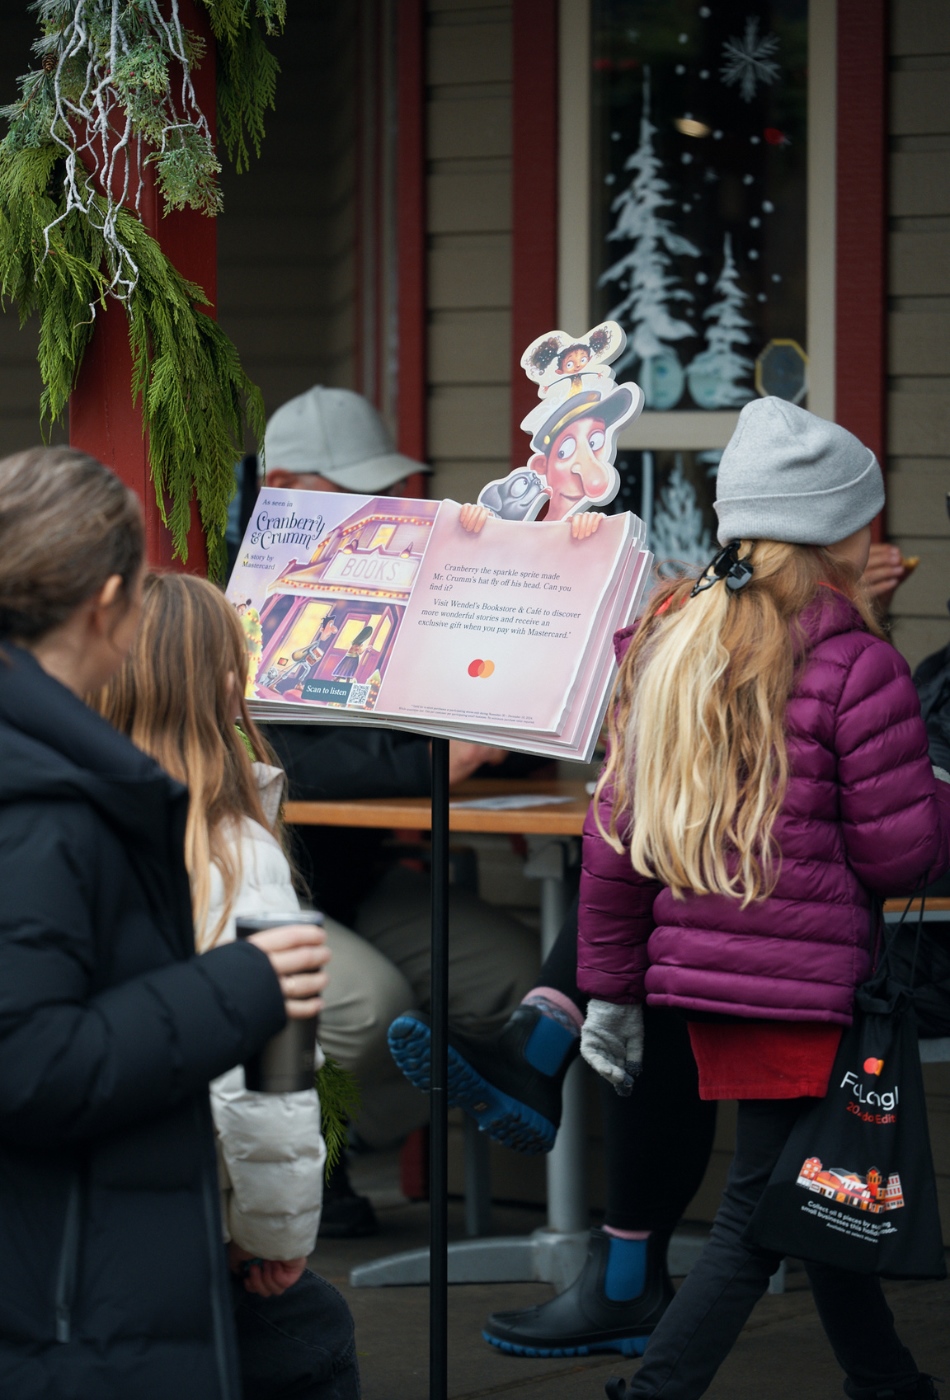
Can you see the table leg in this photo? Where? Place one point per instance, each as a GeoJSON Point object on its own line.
{"type": "Point", "coordinates": [562, 1245]}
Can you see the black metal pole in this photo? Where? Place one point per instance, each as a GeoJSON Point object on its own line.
{"type": "Point", "coordinates": [438, 1094]}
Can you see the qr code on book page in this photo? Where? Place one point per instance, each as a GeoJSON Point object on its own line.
{"type": "Point", "coordinates": [359, 694]}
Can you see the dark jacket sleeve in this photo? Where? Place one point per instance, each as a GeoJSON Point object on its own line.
{"type": "Point", "coordinates": [615, 918]}
{"type": "Point", "coordinates": [895, 814]}
{"type": "Point", "coordinates": [932, 679]}
{"type": "Point", "coordinates": [75, 1062]}
{"type": "Point", "coordinates": [331, 762]}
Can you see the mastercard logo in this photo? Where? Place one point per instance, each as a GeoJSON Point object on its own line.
{"type": "Point", "coordinates": [873, 1066]}
{"type": "Point", "coordinates": [481, 670]}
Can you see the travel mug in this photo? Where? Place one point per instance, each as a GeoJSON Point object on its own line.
{"type": "Point", "coordinates": [285, 1064]}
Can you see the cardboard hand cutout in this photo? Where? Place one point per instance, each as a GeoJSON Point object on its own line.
{"type": "Point", "coordinates": [573, 431]}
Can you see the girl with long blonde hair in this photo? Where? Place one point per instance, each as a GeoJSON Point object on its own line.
{"type": "Point", "coordinates": [180, 698]}
{"type": "Point", "coordinates": [767, 780]}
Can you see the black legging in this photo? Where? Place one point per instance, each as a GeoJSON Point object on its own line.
{"type": "Point", "coordinates": [710, 1310]}
{"type": "Point", "coordinates": [656, 1142]}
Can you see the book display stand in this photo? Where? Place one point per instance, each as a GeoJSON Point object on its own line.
{"type": "Point", "coordinates": [438, 1091]}
{"type": "Point", "coordinates": [489, 622]}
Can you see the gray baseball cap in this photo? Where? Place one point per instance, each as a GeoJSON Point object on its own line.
{"type": "Point", "coordinates": [787, 474]}
{"type": "Point", "coordinates": [339, 435]}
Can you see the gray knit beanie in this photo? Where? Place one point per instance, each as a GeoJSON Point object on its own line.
{"type": "Point", "coordinates": [788, 475]}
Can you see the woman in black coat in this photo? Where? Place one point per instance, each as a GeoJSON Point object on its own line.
{"type": "Point", "coordinates": [113, 1282]}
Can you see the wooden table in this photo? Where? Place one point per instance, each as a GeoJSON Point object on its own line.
{"type": "Point", "coordinates": [556, 1253]}
{"type": "Point", "coordinates": [561, 818]}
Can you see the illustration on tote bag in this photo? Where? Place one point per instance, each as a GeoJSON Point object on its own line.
{"type": "Point", "coordinates": [848, 1188]}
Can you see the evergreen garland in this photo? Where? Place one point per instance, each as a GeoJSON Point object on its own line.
{"type": "Point", "coordinates": [247, 72]}
{"type": "Point", "coordinates": [339, 1096]}
{"type": "Point", "coordinates": [113, 93]}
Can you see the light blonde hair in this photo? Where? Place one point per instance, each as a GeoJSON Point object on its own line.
{"type": "Point", "coordinates": [698, 762]}
{"type": "Point", "coordinates": [177, 697]}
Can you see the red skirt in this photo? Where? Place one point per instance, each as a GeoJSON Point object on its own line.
{"type": "Point", "coordinates": [763, 1059]}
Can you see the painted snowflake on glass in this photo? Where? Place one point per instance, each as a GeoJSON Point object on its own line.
{"type": "Point", "coordinates": [748, 61]}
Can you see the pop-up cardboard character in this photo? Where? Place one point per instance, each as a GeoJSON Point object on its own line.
{"type": "Point", "coordinates": [573, 434]}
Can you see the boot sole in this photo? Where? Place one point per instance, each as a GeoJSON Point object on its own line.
{"type": "Point", "coordinates": [626, 1346]}
{"type": "Point", "coordinates": [505, 1119]}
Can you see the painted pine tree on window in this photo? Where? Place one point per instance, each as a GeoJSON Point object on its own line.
{"type": "Point", "coordinates": [679, 531]}
{"type": "Point", "coordinates": [719, 375]}
{"type": "Point", "coordinates": [645, 276]}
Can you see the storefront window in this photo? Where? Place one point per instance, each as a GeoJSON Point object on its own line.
{"type": "Point", "coordinates": [699, 196]}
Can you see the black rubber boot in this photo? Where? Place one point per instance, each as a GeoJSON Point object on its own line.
{"type": "Point", "coordinates": [345, 1215]}
{"type": "Point", "coordinates": [509, 1083]}
{"type": "Point", "coordinates": [583, 1319]}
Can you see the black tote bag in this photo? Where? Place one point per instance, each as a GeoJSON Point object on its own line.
{"type": "Point", "coordinates": [854, 1186]}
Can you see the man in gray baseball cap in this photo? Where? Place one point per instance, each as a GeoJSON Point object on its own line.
{"type": "Point", "coordinates": [333, 440]}
{"type": "Point", "coordinates": [378, 924]}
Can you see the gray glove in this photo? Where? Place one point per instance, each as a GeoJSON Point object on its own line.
{"type": "Point", "coordinates": [612, 1043]}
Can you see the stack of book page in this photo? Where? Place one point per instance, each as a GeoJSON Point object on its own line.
{"type": "Point", "coordinates": [387, 611]}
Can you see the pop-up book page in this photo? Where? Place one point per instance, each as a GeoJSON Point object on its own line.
{"type": "Point", "coordinates": [498, 623]}
{"type": "Point", "coordinates": [321, 585]}
{"type": "Point", "coordinates": [379, 604]}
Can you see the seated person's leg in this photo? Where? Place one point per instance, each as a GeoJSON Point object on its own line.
{"type": "Point", "coordinates": [364, 994]}
{"type": "Point", "coordinates": [298, 1344]}
{"type": "Point", "coordinates": [493, 957]}
{"type": "Point", "coordinates": [510, 1082]}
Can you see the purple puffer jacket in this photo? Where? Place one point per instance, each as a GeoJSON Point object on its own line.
{"type": "Point", "coordinates": [863, 812]}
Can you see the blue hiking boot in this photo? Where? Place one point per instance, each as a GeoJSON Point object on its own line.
{"type": "Point", "coordinates": [509, 1083]}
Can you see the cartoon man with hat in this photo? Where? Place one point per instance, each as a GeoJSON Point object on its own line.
{"type": "Point", "coordinates": [572, 463]}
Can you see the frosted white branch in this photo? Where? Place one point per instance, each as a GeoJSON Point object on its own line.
{"type": "Point", "coordinates": [102, 151]}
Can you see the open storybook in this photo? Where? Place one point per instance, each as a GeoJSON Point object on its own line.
{"type": "Point", "coordinates": [475, 622]}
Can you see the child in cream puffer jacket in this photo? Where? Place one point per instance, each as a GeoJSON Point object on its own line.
{"type": "Point", "coordinates": [271, 1154]}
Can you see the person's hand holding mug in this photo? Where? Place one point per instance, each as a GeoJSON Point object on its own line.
{"type": "Point", "coordinates": [298, 954]}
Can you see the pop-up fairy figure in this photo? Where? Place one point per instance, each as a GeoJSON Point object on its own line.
{"type": "Point", "coordinates": [250, 620]}
{"type": "Point", "coordinates": [574, 438]}
{"type": "Point", "coordinates": [560, 364]}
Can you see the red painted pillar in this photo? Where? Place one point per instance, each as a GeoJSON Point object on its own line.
{"type": "Point", "coordinates": [534, 212]}
{"type": "Point", "coordinates": [861, 225]}
{"type": "Point", "coordinates": [102, 417]}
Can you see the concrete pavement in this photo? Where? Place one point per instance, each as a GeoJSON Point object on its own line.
{"type": "Point", "coordinates": [782, 1353]}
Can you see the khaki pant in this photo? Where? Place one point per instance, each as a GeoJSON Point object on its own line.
{"type": "Point", "coordinates": [382, 970]}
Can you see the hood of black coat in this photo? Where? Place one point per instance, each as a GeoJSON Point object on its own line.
{"type": "Point", "coordinates": [54, 746]}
